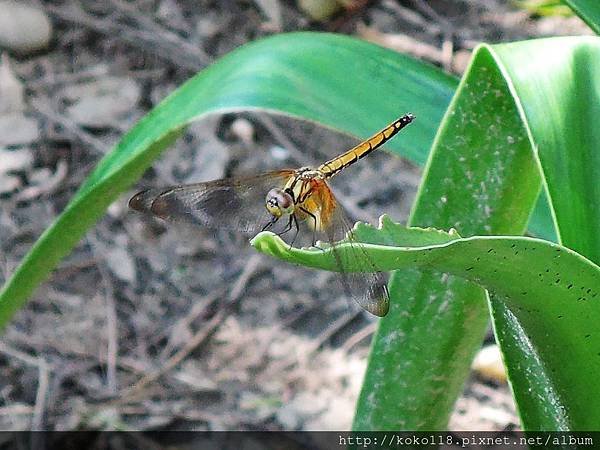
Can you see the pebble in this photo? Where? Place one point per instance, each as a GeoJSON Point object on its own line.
{"type": "Point", "coordinates": [243, 130]}
{"type": "Point", "coordinates": [102, 103]}
{"type": "Point", "coordinates": [24, 29]}
{"type": "Point", "coordinates": [119, 260]}
{"type": "Point", "coordinates": [488, 364]}
{"type": "Point", "coordinates": [17, 129]}
{"type": "Point", "coordinates": [319, 10]}
{"type": "Point", "coordinates": [15, 160]}
{"type": "Point", "coordinates": [9, 183]}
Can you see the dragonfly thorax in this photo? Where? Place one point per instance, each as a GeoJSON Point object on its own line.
{"type": "Point", "coordinates": [281, 202]}
{"type": "Point", "coordinates": [307, 173]}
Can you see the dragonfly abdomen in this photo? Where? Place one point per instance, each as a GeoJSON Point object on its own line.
{"type": "Point", "coordinates": [333, 166]}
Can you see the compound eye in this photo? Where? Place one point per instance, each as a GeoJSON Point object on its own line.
{"type": "Point", "coordinates": [279, 202]}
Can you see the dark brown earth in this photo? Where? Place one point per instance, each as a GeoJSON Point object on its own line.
{"type": "Point", "coordinates": [149, 327]}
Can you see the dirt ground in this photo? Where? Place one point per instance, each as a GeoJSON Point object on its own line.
{"type": "Point", "coordinates": [147, 327]}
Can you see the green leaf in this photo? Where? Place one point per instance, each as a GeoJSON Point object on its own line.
{"type": "Point", "coordinates": [481, 179]}
{"type": "Point", "coordinates": [588, 10]}
{"type": "Point", "coordinates": [545, 7]}
{"type": "Point", "coordinates": [559, 106]}
{"type": "Point", "coordinates": [521, 110]}
{"type": "Point", "coordinates": [337, 81]}
{"type": "Point", "coordinates": [548, 292]}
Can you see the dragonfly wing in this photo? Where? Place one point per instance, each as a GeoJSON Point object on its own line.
{"type": "Point", "coordinates": [230, 203]}
{"type": "Point", "coordinates": [367, 286]}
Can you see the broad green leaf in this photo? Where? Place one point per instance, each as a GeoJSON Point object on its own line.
{"type": "Point", "coordinates": [521, 110]}
{"type": "Point", "coordinates": [331, 79]}
{"type": "Point", "coordinates": [481, 179]}
{"type": "Point", "coordinates": [588, 10]}
{"type": "Point", "coordinates": [557, 105]}
{"type": "Point", "coordinates": [552, 86]}
{"type": "Point", "coordinates": [549, 293]}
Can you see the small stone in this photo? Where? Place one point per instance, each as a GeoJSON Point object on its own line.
{"type": "Point", "coordinates": [24, 28]}
{"type": "Point", "coordinates": [279, 153]}
{"type": "Point", "coordinates": [320, 10]}
{"type": "Point", "coordinates": [9, 183]}
{"type": "Point", "coordinates": [243, 130]}
{"type": "Point", "coordinates": [337, 416]}
{"type": "Point", "coordinates": [120, 263]}
{"type": "Point", "coordinates": [208, 25]}
{"type": "Point", "coordinates": [288, 417]}
{"type": "Point", "coordinates": [488, 364]}
{"type": "Point", "coordinates": [15, 160]}
{"type": "Point", "coordinates": [12, 98]}
{"type": "Point", "coordinates": [272, 10]}
{"type": "Point", "coordinates": [16, 129]}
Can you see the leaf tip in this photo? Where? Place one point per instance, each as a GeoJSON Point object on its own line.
{"type": "Point", "coordinates": [268, 242]}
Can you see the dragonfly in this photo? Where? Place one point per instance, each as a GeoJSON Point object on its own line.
{"type": "Point", "coordinates": [290, 196]}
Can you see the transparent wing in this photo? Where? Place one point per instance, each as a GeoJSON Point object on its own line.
{"type": "Point", "coordinates": [230, 203]}
{"type": "Point", "coordinates": [367, 287]}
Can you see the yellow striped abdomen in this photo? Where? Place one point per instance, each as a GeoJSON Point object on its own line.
{"type": "Point", "coordinates": [338, 163]}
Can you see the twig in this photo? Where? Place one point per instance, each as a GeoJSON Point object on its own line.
{"type": "Point", "coordinates": [286, 142]}
{"type": "Point", "coordinates": [62, 120]}
{"type": "Point", "coordinates": [27, 359]}
{"type": "Point", "coordinates": [40, 396]}
{"type": "Point", "coordinates": [359, 336]}
{"type": "Point", "coordinates": [413, 18]}
{"type": "Point", "coordinates": [426, 9]}
{"type": "Point", "coordinates": [112, 349]}
{"type": "Point", "coordinates": [401, 43]}
{"type": "Point", "coordinates": [165, 35]}
{"type": "Point", "coordinates": [42, 389]}
{"type": "Point", "coordinates": [199, 308]}
{"type": "Point", "coordinates": [52, 79]}
{"type": "Point", "coordinates": [178, 54]}
{"type": "Point", "coordinates": [292, 318]}
{"type": "Point", "coordinates": [111, 319]}
{"type": "Point", "coordinates": [283, 364]}
{"type": "Point", "coordinates": [129, 364]}
{"type": "Point", "coordinates": [16, 410]}
{"type": "Point", "coordinates": [67, 271]}
{"type": "Point", "coordinates": [48, 186]}
{"type": "Point", "coordinates": [447, 53]}
{"type": "Point", "coordinates": [331, 330]}
{"type": "Point", "coordinates": [448, 31]}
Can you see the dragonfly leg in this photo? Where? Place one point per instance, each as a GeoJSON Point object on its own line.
{"type": "Point", "coordinates": [314, 235]}
{"type": "Point", "coordinates": [295, 219]}
{"type": "Point", "coordinates": [270, 223]}
{"type": "Point", "coordinates": [287, 228]}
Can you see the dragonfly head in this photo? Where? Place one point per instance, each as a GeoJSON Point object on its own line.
{"type": "Point", "coordinates": [279, 202]}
